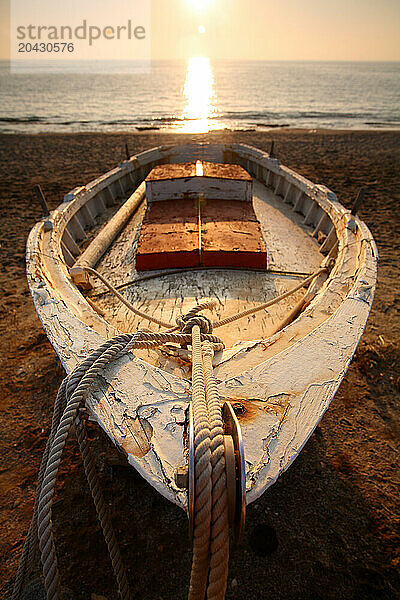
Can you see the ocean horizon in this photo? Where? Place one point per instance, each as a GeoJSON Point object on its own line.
{"type": "Point", "coordinates": [199, 95]}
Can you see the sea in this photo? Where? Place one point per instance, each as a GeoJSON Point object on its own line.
{"type": "Point", "coordinates": [199, 95]}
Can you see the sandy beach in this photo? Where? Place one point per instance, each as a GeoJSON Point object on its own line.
{"type": "Point", "coordinates": [329, 528]}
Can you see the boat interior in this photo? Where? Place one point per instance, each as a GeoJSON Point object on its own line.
{"type": "Point", "coordinates": [298, 225]}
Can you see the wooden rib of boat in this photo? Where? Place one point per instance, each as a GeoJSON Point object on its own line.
{"type": "Point", "coordinates": [224, 222]}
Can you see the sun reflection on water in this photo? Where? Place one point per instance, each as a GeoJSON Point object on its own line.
{"type": "Point", "coordinates": [201, 100]}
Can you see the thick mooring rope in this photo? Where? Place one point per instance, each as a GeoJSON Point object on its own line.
{"type": "Point", "coordinates": [101, 508]}
{"type": "Point", "coordinates": [211, 521]}
{"type": "Point", "coordinates": [80, 383]}
{"type": "Point", "coordinates": [71, 397]}
{"type": "Point", "coordinates": [203, 472]}
{"type": "Point", "coordinates": [28, 558]}
{"type": "Point", "coordinates": [219, 546]}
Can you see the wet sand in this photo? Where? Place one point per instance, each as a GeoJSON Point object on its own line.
{"type": "Point", "coordinates": [329, 528]}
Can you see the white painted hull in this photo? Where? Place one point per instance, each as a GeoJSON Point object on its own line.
{"type": "Point", "coordinates": [285, 380]}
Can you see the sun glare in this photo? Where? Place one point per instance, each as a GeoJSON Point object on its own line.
{"type": "Point", "coordinates": [201, 29]}
{"type": "Point", "coordinates": [199, 5]}
{"type": "Point", "coordinates": [199, 94]}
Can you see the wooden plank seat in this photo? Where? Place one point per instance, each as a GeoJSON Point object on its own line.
{"type": "Point", "coordinates": [199, 214]}
{"type": "Point", "coordinates": [230, 236]}
{"type": "Point", "coordinates": [169, 237]}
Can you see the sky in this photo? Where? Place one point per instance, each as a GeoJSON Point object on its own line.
{"type": "Point", "coordinates": [264, 29]}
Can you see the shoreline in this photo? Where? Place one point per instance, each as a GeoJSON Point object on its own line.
{"type": "Point", "coordinates": [257, 130]}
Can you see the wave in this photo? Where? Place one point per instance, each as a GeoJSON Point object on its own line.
{"type": "Point", "coordinates": [36, 119]}
{"type": "Point", "coordinates": [303, 114]}
{"type": "Point", "coordinates": [27, 119]}
{"type": "Point", "coordinates": [392, 123]}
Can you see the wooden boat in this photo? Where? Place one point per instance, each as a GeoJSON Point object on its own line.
{"type": "Point", "coordinates": [224, 222]}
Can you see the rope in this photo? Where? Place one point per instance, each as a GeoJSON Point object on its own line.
{"type": "Point", "coordinates": [203, 471]}
{"type": "Point", "coordinates": [111, 349]}
{"type": "Point", "coordinates": [28, 558]}
{"type": "Point", "coordinates": [219, 547]}
{"type": "Point", "coordinates": [182, 321]}
{"type": "Point", "coordinates": [169, 272]}
{"type": "Point", "coordinates": [126, 302]}
{"type": "Point", "coordinates": [71, 396]}
{"type": "Point", "coordinates": [211, 522]}
{"type": "Point", "coordinates": [251, 311]}
{"type": "Point", "coordinates": [101, 509]}
{"type": "Point", "coordinates": [198, 308]}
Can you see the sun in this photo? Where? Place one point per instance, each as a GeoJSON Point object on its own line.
{"type": "Point", "coordinates": [201, 29]}
{"type": "Point", "coordinates": [199, 5]}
